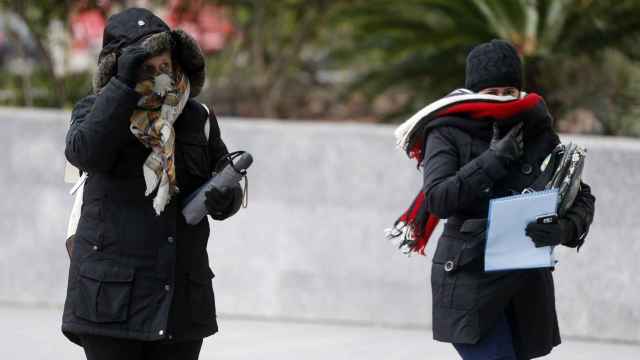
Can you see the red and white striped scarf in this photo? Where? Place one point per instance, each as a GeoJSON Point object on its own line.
{"type": "Point", "coordinates": [414, 227]}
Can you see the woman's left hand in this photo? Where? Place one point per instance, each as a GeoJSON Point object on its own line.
{"type": "Point", "coordinates": [224, 202]}
{"type": "Point", "coordinates": [551, 234]}
{"type": "Point", "coordinates": [218, 200]}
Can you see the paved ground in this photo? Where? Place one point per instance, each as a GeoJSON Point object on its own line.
{"type": "Point", "coordinates": [33, 333]}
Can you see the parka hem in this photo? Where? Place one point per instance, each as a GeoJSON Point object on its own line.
{"type": "Point", "coordinates": [72, 331]}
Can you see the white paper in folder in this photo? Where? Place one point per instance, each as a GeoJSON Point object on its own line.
{"type": "Point", "coordinates": [508, 247]}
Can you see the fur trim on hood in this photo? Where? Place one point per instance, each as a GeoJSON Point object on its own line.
{"type": "Point", "coordinates": [155, 39]}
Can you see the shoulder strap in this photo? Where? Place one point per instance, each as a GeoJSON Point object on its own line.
{"type": "Point", "coordinates": [207, 123]}
{"type": "Point", "coordinates": [79, 183]}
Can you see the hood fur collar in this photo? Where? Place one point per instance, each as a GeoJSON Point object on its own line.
{"type": "Point", "coordinates": [184, 49]}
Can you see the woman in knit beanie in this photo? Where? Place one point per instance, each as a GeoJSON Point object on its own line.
{"type": "Point", "coordinates": [506, 314]}
{"type": "Point", "coordinates": [474, 148]}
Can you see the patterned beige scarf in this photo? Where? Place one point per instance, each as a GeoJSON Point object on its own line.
{"type": "Point", "coordinates": [163, 98]}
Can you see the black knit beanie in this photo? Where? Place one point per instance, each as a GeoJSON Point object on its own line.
{"type": "Point", "coordinates": [493, 64]}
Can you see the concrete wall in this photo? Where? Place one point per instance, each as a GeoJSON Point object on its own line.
{"type": "Point", "coordinates": [310, 246]}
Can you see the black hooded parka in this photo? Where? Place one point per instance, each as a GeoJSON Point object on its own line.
{"type": "Point", "coordinates": [134, 274]}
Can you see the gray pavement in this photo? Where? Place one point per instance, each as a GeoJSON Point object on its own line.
{"type": "Point", "coordinates": [30, 333]}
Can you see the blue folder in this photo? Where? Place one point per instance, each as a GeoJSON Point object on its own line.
{"type": "Point", "coordinates": [507, 246]}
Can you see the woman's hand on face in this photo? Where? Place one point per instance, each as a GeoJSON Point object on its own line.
{"type": "Point", "coordinates": [510, 147]}
{"type": "Point", "coordinates": [129, 63]}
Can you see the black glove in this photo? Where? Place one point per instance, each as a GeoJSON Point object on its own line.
{"type": "Point", "coordinates": [219, 200]}
{"type": "Point", "coordinates": [552, 234]}
{"type": "Point", "coordinates": [129, 63]}
{"type": "Point", "coordinates": [510, 147]}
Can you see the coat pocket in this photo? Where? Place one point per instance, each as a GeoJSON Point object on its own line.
{"type": "Point", "coordinates": [93, 209]}
{"type": "Point", "coordinates": [104, 292]}
{"type": "Point", "coordinates": [452, 290]}
{"type": "Point", "coordinates": [460, 251]}
{"type": "Point", "coordinates": [201, 298]}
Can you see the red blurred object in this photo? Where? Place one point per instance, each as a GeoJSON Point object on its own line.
{"type": "Point", "coordinates": [207, 23]}
{"type": "Point", "coordinates": [86, 29]}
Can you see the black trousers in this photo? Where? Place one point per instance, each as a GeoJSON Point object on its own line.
{"type": "Point", "coordinates": [108, 348]}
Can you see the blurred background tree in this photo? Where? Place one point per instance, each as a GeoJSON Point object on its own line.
{"type": "Point", "coordinates": [270, 68]}
{"type": "Point", "coordinates": [24, 26]}
{"type": "Point", "coordinates": [357, 60]}
{"type": "Point", "coordinates": [419, 48]}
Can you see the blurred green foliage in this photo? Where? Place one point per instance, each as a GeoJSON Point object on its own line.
{"type": "Point", "coordinates": [37, 14]}
{"type": "Point", "coordinates": [420, 46]}
{"type": "Point", "coordinates": [269, 68]}
{"type": "Point", "coordinates": [377, 60]}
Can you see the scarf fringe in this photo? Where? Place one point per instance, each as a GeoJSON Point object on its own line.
{"type": "Point", "coordinates": [163, 195]}
{"type": "Point", "coordinates": [411, 232]}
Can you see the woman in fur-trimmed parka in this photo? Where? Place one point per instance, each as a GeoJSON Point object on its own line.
{"type": "Point", "coordinates": [139, 280]}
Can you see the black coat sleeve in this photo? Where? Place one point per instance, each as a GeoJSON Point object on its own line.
{"type": "Point", "coordinates": [580, 214]}
{"type": "Point", "coordinates": [218, 150]}
{"type": "Point", "coordinates": [99, 125]}
{"type": "Point", "coordinates": [449, 185]}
